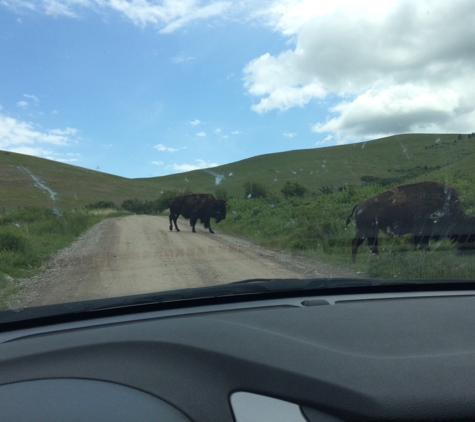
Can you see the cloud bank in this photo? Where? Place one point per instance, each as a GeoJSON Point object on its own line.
{"type": "Point", "coordinates": [391, 67]}
{"type": "Point", "coordinates": [378, 67]}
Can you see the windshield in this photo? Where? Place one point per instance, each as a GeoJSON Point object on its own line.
{"type": "Point", "coordinates": [150, 146]}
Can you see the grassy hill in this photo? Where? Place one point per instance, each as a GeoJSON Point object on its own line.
{"type": "Point", "coordinates": [21, 177]}
{"type": "Point", "coordinates": [25, 180]}
{"type": "Point", "coordinates": [401, 157]}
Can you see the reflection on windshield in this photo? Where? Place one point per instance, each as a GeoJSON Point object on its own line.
{"type": "Point", "coordinates": [195, 144]}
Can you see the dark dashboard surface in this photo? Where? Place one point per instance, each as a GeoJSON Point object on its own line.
{"type": "Point", "coordinates": [381, 357]}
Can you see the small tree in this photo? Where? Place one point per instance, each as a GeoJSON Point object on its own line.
{"type": "Point", "coordinates": [132, 205]}
{"type": "Point", "coordinates": [293, 189]}
{"type": "Point", "coordinates": [254, 190]}
{"type": "Point", "coordinates": [164, 199]}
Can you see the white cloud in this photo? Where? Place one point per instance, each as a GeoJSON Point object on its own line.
{"type": "Point", "coordinates": [201, 134]}
{"type": "Point", "coordinates": [181, 59]}
{"type": "Point", "coordinates": [46, 153]}
{"type": "Point", "coordinates": [70, 157]}
{"type": "Point", "coordinates": [23, 103]}
{"type": "Point", "coordinates": [32, 97]}
{"type": "Point", "coordinates": [194, 13]}
{"type": "Point", "coordinates": [158, 163]}
{"type": "Point", "coordinates": [169, 15]}
{"type": "Point", "coordinates": [161, 147]}
{"type": "Point", "coordinates": [398, 109]}
{"type": "Point", "coordinates": [37, 152]}
{"type": "Point", "coordinates": [195, 122]}
{"type": "Point", "coordinates": [289, 134]}
{"type": "Point", "coordinates": [236, 132]}
{"type": "Point", "coordinates": [62, 8]}
{"type": "Point", "coordinates": [289, 16]}
{"type": "Point", "coordinates": [16, 134]}
{"type": "Point", "coordinates": [394, 66]}
{"type": "Point", "coordinates": [199, 164]}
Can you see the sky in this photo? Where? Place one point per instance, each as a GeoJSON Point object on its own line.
{"type": "Point", "coordinates": [141, 88]}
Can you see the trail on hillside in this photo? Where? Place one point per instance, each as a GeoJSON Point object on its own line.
{"type": "Point", "coordinates": [138, 254]}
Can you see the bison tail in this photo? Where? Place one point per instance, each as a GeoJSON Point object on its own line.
{"type": "Point", "coordinates": [349, 217]}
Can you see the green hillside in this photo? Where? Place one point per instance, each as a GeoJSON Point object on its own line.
{"type": "Point", "coordinates": [400, 157]}
{"type": "Point", "coordinates": [74, 186]}
{"type": "Point", "coordinates": [397, 158]}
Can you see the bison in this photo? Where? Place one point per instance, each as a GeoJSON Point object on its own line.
{"type": "Point", "coordinates": [427, 210]}
{"type": "Point", "coordinates": [196, 206]}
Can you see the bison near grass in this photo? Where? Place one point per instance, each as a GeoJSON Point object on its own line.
{"type": "Point", "coordinates": [196, 206]}
{"type": "Point", "coordinates": [427, 210]}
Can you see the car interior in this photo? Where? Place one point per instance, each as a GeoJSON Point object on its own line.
{"type": "Point", "coordinates": [393, 352]}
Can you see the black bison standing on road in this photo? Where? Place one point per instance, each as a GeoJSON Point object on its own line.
{"type": "Point", "coordinates": [427, 210]}
{"type": "Point", "coordinates": [196, 206]}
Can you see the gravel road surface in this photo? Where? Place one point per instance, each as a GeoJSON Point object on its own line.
{"type": "Point", "coordinates": [138, 254]}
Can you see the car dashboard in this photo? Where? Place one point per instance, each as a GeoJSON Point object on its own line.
{"type": "Point", "coordinates": [388, 356]}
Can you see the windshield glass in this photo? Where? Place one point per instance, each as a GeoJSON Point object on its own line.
{"type": "Point", "coordinates": [150, 146]}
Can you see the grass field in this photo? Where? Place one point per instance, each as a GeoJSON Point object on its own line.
{"type": "Point", "coordinates": [31, 235]}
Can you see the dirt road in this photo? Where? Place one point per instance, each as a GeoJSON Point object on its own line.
{"type": "Point", "coordinates": [138, 254]}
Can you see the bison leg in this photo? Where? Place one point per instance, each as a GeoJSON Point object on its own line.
{"type": "Point", "coordinates": [424, 243]}
{"type": "Point", "coordinates": [207, 224]}
{"type": "Point", "coordinates": [373, 244]}
{"type": "Point", "coordinates": [416, 241]}
{"type": "Point", "coordinates": [173, 218]}
{"type": "Point", "coordinates": [355, 244]}
{"type": "Point", "coordinates": [193, 220]}
{"type": "Point", "coordinates": [171, 221]}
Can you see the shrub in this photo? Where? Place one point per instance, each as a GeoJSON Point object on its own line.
{"type": "Point", "coordinates": [12, 242]}
{"type": "Point", "coordinates": [132, 205]}
{"type": "Point", "coordinates": [254, 190]}
{"type": "Point", "coordinates": [139, 206]}
{"type": "Point", "coordinates": [101, 205]}
{"type": "Point", "coordinates": [326, 190]}
{"type": "Point", "coordinates": [293, 189]}
{"type": "Point", "coordinates": [255, 212]}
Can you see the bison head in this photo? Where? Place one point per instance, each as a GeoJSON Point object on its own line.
{"type": "Point", "coordinates": [219, 211]}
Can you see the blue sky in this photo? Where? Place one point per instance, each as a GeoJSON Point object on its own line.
{"type": "Point", "coordinates": [143, 88]}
